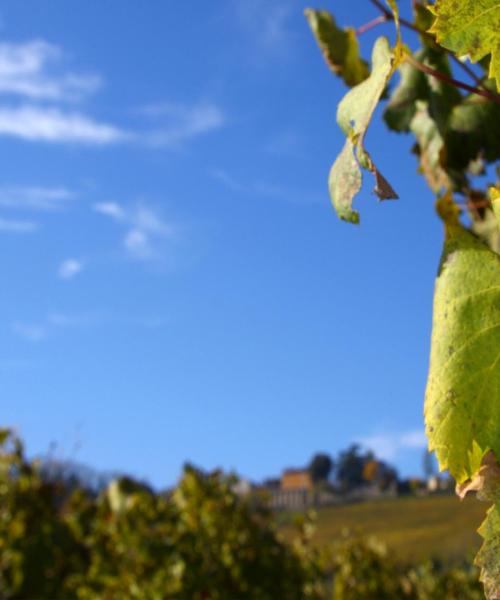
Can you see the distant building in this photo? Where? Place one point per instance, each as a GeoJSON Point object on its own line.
{"type": "Point", "coordinates": [296, 480]}
{"type": "Point", "coordinates": [242, 487]}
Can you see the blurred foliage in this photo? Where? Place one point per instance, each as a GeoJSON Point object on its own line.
{"type": "Point", "coordinates": [201, 541]}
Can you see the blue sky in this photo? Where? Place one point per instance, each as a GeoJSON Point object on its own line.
{"type": "Point", "coordinates": [176, 284]}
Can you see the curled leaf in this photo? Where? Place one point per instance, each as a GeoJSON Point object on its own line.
{"type": "Point", "coordinates": [486, 482]}
{"type": "Point", "coordinates": [353, 115]}
{"type": "Point", "coordinates": [339, 46]}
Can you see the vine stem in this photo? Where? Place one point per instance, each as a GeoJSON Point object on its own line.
{"type": "Point", "coordinates": [409, 25]}
{"type": "Point", "coordinates": [373, 23]}
{"type": "Point", "coordinates": [459, 84]}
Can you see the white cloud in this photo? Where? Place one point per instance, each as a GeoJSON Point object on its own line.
{"type": "Point", "coordinates": [35, 123]}
{"type": "Point", "coordinates": [138, 244]}
{"type": "Point", "coordinates": [181, 123]}
{"type": "Point", "coordinates": [388, 445]}
{"type": "Point", "coordinates": [25, 71]}
{"type": "Point", "coordinates": [12, 226]}
{"type": "Point", "coordinates": [144, 228]}
{"type": "Point", "coordinates": [34, 198]}
{"type": "Point", "coordinates": [32, 333]}
{"type": "Point", "coordinates": [110, 209]}
{"type": "Point", "coordinates": [413, 439]}
{"type": "Point", "coordinates": [29, 72]}
{"type": "Point", "coordinates": [69, 268]}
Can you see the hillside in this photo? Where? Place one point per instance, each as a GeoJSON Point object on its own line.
{"type": "Point", "coordinates": [414, 528]}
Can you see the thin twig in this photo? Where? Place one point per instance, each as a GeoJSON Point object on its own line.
{"type": "Point", "coordinates": [459, 84]}
{"type": "Point", "coordinates": [409, 25]}
{"type": "Point", "coordinates": [371, 24]}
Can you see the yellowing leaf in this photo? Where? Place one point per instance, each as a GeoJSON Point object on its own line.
{"type": "Point", "coordinates": [470, 27]}
{"type": "Point", "coordinates": [353, 115]}
{"type": "Point", "coordinates": [339, 46]}
{"type": "Point", "coordinates": [462, 404]}
{"type": "Point", "coordinates": [488, 557]}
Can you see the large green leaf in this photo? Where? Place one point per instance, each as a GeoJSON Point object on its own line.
{"type": "Point", "coordinates": [470, 27]}
{"type": "Point", "coordinates": [488, 557]}
{"type": "Point", "coordinates": [462, 404]}
{"type": "Point", "coordinates": [353, 115]}
{"type": "Point", "coordinates": [339, 46]}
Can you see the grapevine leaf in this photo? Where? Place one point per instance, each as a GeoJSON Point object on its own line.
{"type": "Point", "coordinates": [488, 557]}
{"type": "Point", "coordinates": [339, 47]}
{"type": "Point", "coordinates": [469, 27]}
{"type": "Point", "coordinates": [353, 115]}
{"type": "Point", "coordinates": [462, 404]}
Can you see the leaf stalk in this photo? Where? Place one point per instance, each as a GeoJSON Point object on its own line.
{"type": "Point", "coordinates": [455, 82]}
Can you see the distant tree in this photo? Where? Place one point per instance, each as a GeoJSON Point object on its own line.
{"type": "Point", "coordinates": [355, 468]}
{"type": "Point", "coordinates": [320, 467]}
{"type": "Point", "coordinates": [429, 464]}
{"type": "Point", "coordinates": [350, 467]}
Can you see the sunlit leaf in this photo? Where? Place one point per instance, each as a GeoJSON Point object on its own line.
{"type": "Point", "coordinates": [462, 405]}
{"type": "Point", "coordinates": [470, 27]}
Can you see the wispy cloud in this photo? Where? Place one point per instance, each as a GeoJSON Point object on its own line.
{"type": "Point", "coordinates": [69, 268]}
{"type": "Point", "coordinates": [144, 227]}
{"type": "Point", "coordinates": [36, 95]}
{"type": "Point", "coordinates": [38, 332]}
{"type": "Point", "coordinates": [260, 188]}
{"type": "Point", "coordinates": [60, 319]}
{"type": "Point", "coordinates": [389, 445]}
{"type": "Point", "coordinates": [13, 226]}
{"type": "Point", "coordinates": [29, 80]}
{"type": "Point", "coordinates": [177, 123]}
{"type": "Point", "coordinates": [51, 124]}
{"type": "Point", "coordinates": [57, 322]}
{"type": "Point", "coordinates": [34, 198]}
{"type": "Point", "coordinates": [266, 25]}
{"type": "Point", "coordinates": [36, 88]}
{"type": "Point", "coordinates": [110, 209]}
{"type": "Point", "coordinates": [30, 332]}
{"type": "Point", "coordinates": [264, 189]}
{"type": "Point", "coordinates": [27, 70]}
